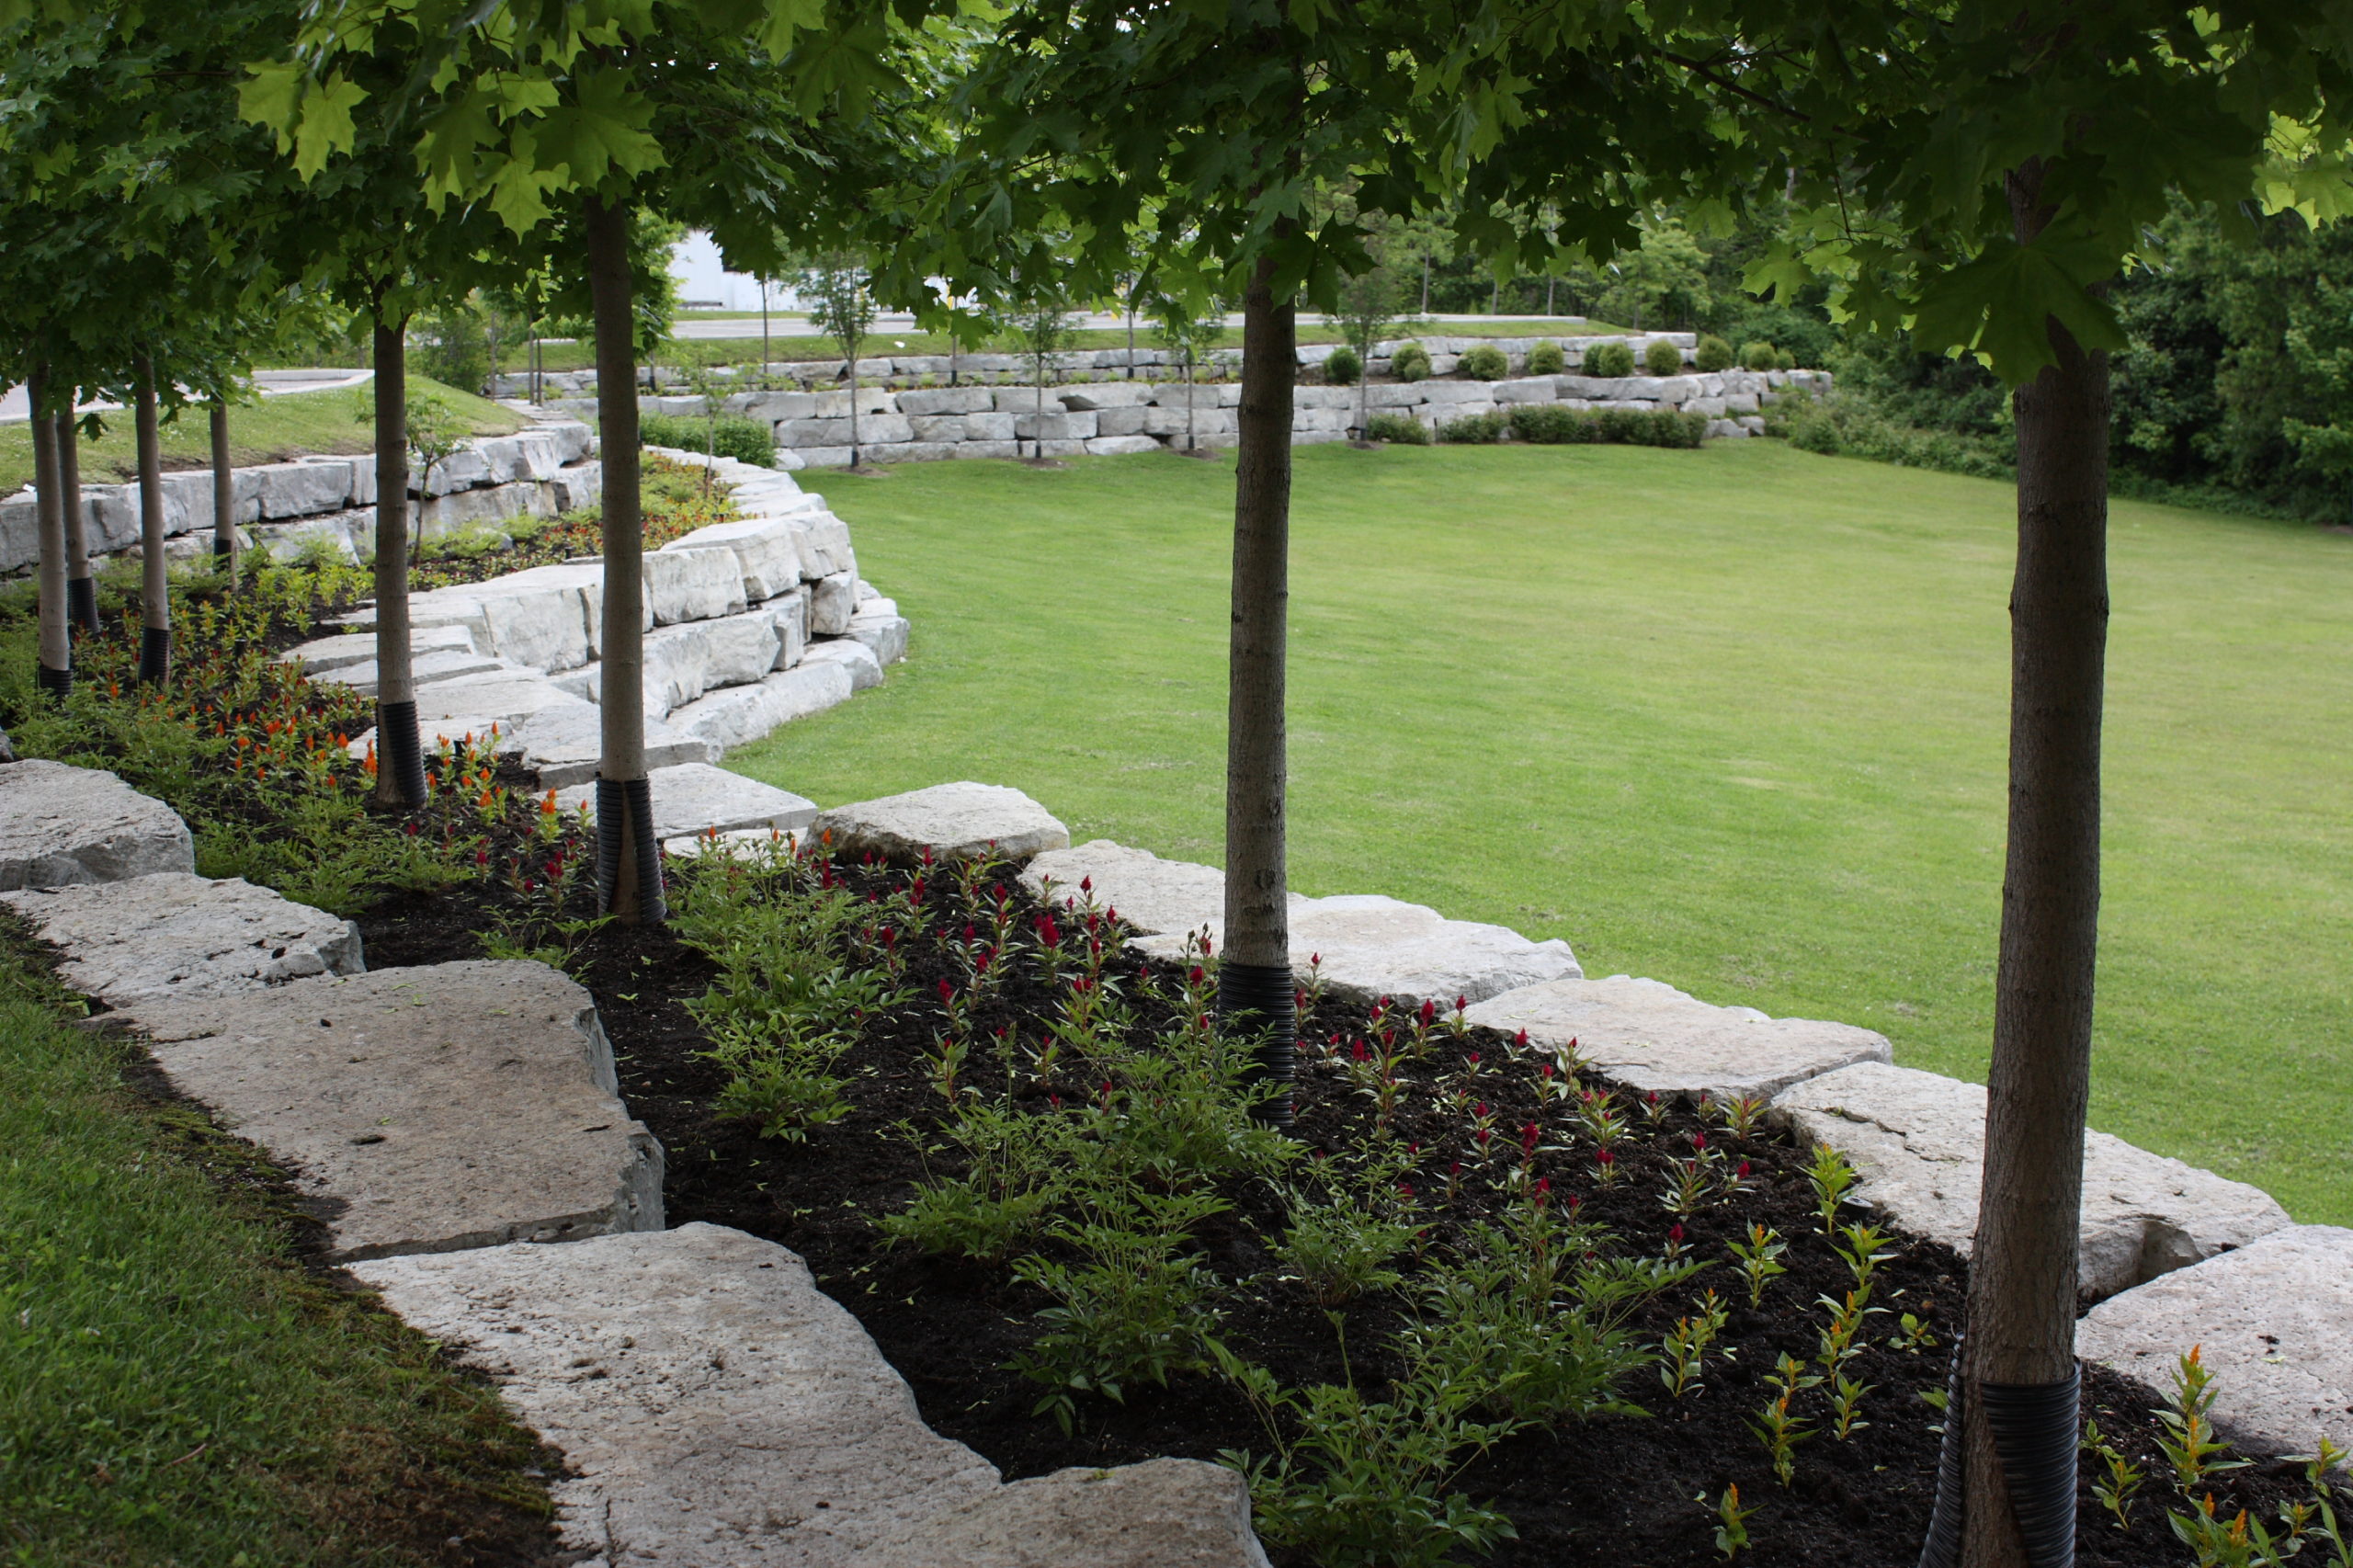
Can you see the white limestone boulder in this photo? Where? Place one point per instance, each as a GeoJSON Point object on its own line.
{"type": "Point", "coordinates": [1156, 897]}
{"type": "Point", "coordinates": [472, 704]}
{"type": "Point", "coordinates": [884, 632]}
{"type": "Point", "coordinates": [741, 714]}
{"type": "Point", "coordinates": [825, 548]}
{"type": "Point", "coordinates": [693, 584]}
{"type": "Point", "coordinates": [832, 601]}
{"type": "Point", "coordinates": [1159, 1513]}
{"type": "Point", "coordinates": [954, 820]}
{"type": "Point", "coordinates": [2273, 1321]}
{"type": "Point", "coordinates": [1918, 1140]}
{"type": "Point", "coordinates": [61, 824]}
{"type": "Point", "coordinates": [768, 552]}
{"type": "Point", "coordinates": [857, 660]}
{"type": "Point", "coordinates": [563, 746]}
{"type": "Point", "coordinates": [1373, 946]}
{"type": "Point", "coordinates": [325, 655]}
{"type": "Point", "coordinates": [1651, 1037]}
{"type": "Point", "coordinates": [695, 797]}
{"type": "Point", "coordinates": [442, 664]}
{"type": "Point", "coordinates": [548, 628]}
{"type": "Point", "coordinates": [744, 647]}
{"type": "Point", "coordinates": [427, 1109]}
{"type": "Point", "coordinates": [175, 935]}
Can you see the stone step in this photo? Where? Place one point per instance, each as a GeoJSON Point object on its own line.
{"type": "Point", "coordinates": [564, 745]}
{"type": "Point", "coordinates": [2273, 1321]}
{"type": "Point", "coordinates": [696, 797]}
{"type": "Point", "coordinates": [426, 1109]}
{"type": "Point", "coordinates": [1369, 946]}
{"type": "Point", "coordinates": [154, 939]}
{"type": "Point", "coordinates": [1917, 1141]}
{"type": "Point", "coordinates": [62, 825]}
{"type": "Point", "coordinates": [717, 1410]}
{"type": "Point", "coordinates": [1651, 1037]}
{"type": "Point", "coordinates": [323, 655]}
{"type": "Point", "coordinates": [738, 715]}
{"type": "Point", "coordinates": [857, 660]}
{"type": "Point", "coordinates": [954, 820]}
{"type": "Point", "coordinates": [425, 669]}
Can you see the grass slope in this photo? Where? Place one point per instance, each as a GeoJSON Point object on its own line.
{"type": "Point", "coordinates": [173, 1391]}
{"type": "Point", "coordinates": [1735, 718]}
{"type": "Point", "coordinates": [268, 430]}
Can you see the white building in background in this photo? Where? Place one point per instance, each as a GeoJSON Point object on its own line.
{"type": "Point", "coordinates": [704, 283]}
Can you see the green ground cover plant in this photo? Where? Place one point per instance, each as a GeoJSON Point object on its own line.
{"type": "Point", "coordinates": [1732, 718]}
{"type": "Point", "coordinates": [269, 429]}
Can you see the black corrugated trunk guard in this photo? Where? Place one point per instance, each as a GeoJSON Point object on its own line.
{"type": "Point", "coordinates": [2035, 1427]}
{"type": "Point", "coordinates": [56, 684]}
{"type": "Point", "coordinates": [82, 604]}
{"type": "Point", "coordinates": [154, 656]}
{"type": "Point", "coordinates": [1262, 999]}
{"type": "Point", "coordinates": [632, 798]}
{"type": "Point", "coordinates": [397, 748]}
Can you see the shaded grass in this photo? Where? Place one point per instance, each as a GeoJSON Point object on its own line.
{"type": "Point", "coordinates": [269, 429]}
{"type": "Point", "coordinates": [1733, 718]}
{"type": "Point", "coordinates": [174, 1389]}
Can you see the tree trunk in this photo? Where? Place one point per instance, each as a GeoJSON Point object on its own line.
{"type": "Point", "coordinates": [81, 588]}
{"type": "Point", "coordinates": [628, 867]}
{"type": "Point", "coordinates": [2016, 1410]}
{"type": "Point", "coordinates": [1255, 991]}
{"type": "Point", "coordinates": [224, 490]}
{"type": "Point", "coordinates": [1188, 399]}
{"type": "Point", "coordinates": [1426, 283]}
{"type": "Point", "coordinates": [1131, 334]}
{"type": "Point", "coordinates": [55, 672]}
{"type": "Point", "coordinates": [400, 754]}
{"type": "Point", "coordinates": [853, 405]}
{"type": "Point", "coordinates": [155, 582]}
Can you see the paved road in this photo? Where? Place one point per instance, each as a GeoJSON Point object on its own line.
{"type": "Point", "coordinates": [16, 405]}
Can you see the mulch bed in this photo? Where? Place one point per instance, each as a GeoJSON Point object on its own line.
{"type": "Point", "coordinates": [1622, 1491]}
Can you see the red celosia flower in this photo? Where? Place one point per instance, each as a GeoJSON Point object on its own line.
{"type": "Point", "coordinates": [1604, 1158]}
{"type": "Point", "coordinates": [1698, 1141]}
{"type": "Point", "coordinates": [1744, 1170]}
{"type": "Point", "coordinates": [1674, 1234]}
{"type": "Point", "coordinates": [1520, 1039]}
{"type": "Point", "coordinates": [947, 992]}
{"type": "Point", "coordinates": [1527, 1136]}
{"type": "Point", "coordinates": [1086, 884]}
{"type": "Point", "coordinates": [1429, 1012]}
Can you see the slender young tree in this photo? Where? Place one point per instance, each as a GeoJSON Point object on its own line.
{"type": "Point", "coordinates": [155, 582]}
{"type": "Point", "coordinates": [841, 305]}
{"type": "Point", "coordinates": [81, 588]}
{"type": "Point", "coordinates": [1368, 307]}
{"type": "Point", "coordinates": [225, 488]}
{"type": "Point", "coordinates": [55, 673]}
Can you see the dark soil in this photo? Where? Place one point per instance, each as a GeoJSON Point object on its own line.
{"type": "Point", "coordinates": [1622, 1491]}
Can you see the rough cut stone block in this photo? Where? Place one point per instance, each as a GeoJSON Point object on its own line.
{"type": "Point", "coordinates": [2273, 1321]}
{"type": "Point", "coordinates": [1159, 1513]}
{"type": "Point", "coordinates": [715, 1409]}
{"type": "Point", "coordinates": [443, 663]}
{"type": "Point", "coordinates": [546, 628]}
{"type": "Point", "coordinates": [427, 1109]}
{"type": "Point", "coordinates": [946, 401]}
{"type": "Point", "coordinates": [1008, 448]}
{"type": "Point", "coordinates": [989, 427]}
{"type": "Point", "coordinates": [767, 550]}
{"type": "Point", "coordinates": [677, 668]}
{"type": "Point", "coordinates": [1918, 1140]}
{"type": "Point", "coordinates": [323, 654]}
{"type": "Point", "coordinates": [1156, 897]}
{"type": "Point", "coordinates": [692, 585]}
{"type": "Point", "coordinates": [956, 821]}
{"type": "Point", "coordinates": [790, 614]}
{"type": "Point", "coordinates": [174, 934]}
{"type": "Point", "coordinates": [741, 714]}
{"type": "Point", "coordinates": [62, 825]}
{"type": "Point", "coordinates": [695, 797]}
{"type": "Point", "coordinates": [1122, 446]}
{"type": "Point", "coordinates": [1648, 1036]}
{"type": "Point", "coordinates": [825, 549]}
{"type": "Point", "coordinates": [857, 660]}
{"type": "Point", "coordinates": [885, 631]}
{"type": "Point", "coordinates": [832, 602]}
{"type": "Point", "coordinates": [564, 746]}
{"type": "Point", "coordinates": [298, 489]}
{"type": "Point", "coordinates": [473, 703]}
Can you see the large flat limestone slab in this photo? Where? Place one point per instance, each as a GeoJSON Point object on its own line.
{"type": "Point", "coordinates": [427, 1109]}
{"type": "Point", "coordinates": [718, 1409]}
{"type": "Point", "coordinates": [1159, 1513]}
{"type": "Point", "coordinates": [1651, 1037]}
{"type": "Point", "coordinates": [62, 825]}
{"type": "Point", "coordinates": [177, 935]}
{"type": "Point", "coordinates": [954, 820]}
{"type": "Point", "coordinates": [1917, 1141]}
{"type": "Point", "coordinates": [695, 797]}
{"type": "Point", "coordinates": [2273, 1321]}
{"type": "Point", "coordinates": [564, 746]}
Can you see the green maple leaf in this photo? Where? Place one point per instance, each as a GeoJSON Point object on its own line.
{"type": "Point", "coordinates": [268, 95]}
{"type": "Point", "coordinates": [2001, 301]}
{"type": "Point", "coordinates": [325, 125]}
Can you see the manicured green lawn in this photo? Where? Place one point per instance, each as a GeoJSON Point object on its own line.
{"type": "Point", "coordinates": [1735, 719]}
{"type": "Point", "coordinates": [266, 430]}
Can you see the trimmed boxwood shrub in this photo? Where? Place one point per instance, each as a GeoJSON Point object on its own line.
{"type": "Point", "coordinates": [1400, 428]}
{"type": "Point", "coordinates": [1411, 362]}
{"type": "Point", "coordinates": [1784, 360]}
{"type": "Point", "coordinates": [1549, 424]}
{"type": "Point", "coordinates": [1610, 361]}
{"type": "Point", "coordinates": [1663, 359]}
{"type": "Point", "coordinates": [1343, 367]}
{"type": "Point", "coordinates": [1758, 356]}
{"type": "Point", "coordinates": [1712, 354]}
{"type": "Point", "coordinates": [746, 440]}
{"type": "Point", "coordinates": [1483, 362]}
{"type": "Point", "coordinates": [1546, 359]}
{"type": "Point", "coordinates": [1473, 429]}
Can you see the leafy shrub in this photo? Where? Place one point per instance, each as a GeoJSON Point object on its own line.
{"type": "Point", "coordinates": [1784, 360]}
{"type": "Point", "coordinates": [1483, 362]}
{"type": "Point", "coordinates": [1340, 1242]}
{"type": "Point", "coordinates": [1663, 359]}
{"type": "Point", "coordinates": [1343, 367]}
{"type": "Point", "coordinates": [1712, 354]}
{"type": "Point", "coordinates": [1758, 356]}
{"type": "Point", "coordinates": [1610, 361]}
{"type": "Point", "coordinates": [1549, 424]}
{"type": "Point", "coordinates": [1840, 428]}
{"type": "Point", "coordinates": [1411, 362]}
{"type": "Point", "coordinates": [745, 440]}
{"type": "Point", "coordinates": [1473, 429]}
{"type": "Point", "coordinates": [1546, 359]}
{"type": "Point", "coordinates": [1403, 428]}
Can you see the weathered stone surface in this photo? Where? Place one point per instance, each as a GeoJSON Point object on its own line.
{"type": "Point", "coordinates": [741, 714]}
{"type": "Point", "coordinates": [174, 934]}
{"type": "Point", "coordinates": [1375, 947]}
{"type": "Point", "coordinates": [768, 551]}
{"type": "Point", "coordinates": [825, 549]}
{"type": "Point", "coordinates": [857, 660]}
{"type": "Point", "coordinates": [957, 821]}
{"type": "Point", "coordinates": [1159, 1513]}
{"type": "Point", "coordinates": [547, 628]}
{"type": "Point", "coordinates": [1157, 897]}
{"type": "Point", "coordinates": [1123, 445]}
{"type": "Point", "coordinates": [326, 654]}
{"type": "Point", "coordinates": [441, 663]}
{"type": "Point", "coordinates": [694, 797]}
{"type": "Point", "coordinates": [1918, 1140]}
{"type": "Point", "coordinates": [472, 704]}
{"type": "Point", "coordinates": [427, 1110]}
{"type": "Point", "coordinates": [832, 602]}
{"type": "Point", "coordinates": [61, 824]}
{"type": "Point", "coordinates": [790, 613]}
{"type": "Point", "coordinates": [718, 1410]}
{"type": "Point", "coordinates": [564, 746]}
{"type": "Point", "coordinates": [2273, 1321]}
{"type": "Point", "coordinates": [298, 489]}
{"type": "Point", "coordinates": [693, 584]}
{"type": "Point", "coordinates": [1649, 1036]}
{"type": "Point", "coordinates": [743, 647]}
